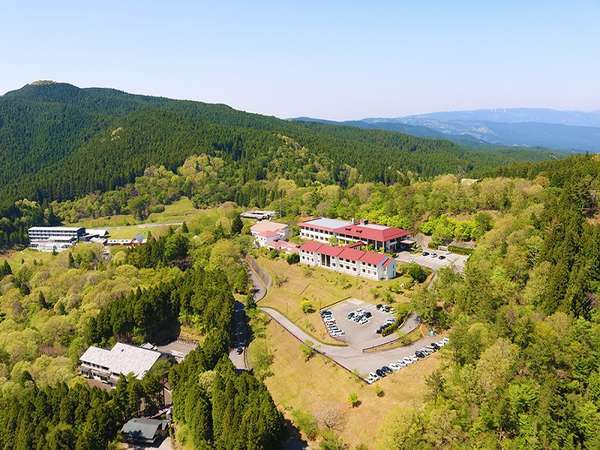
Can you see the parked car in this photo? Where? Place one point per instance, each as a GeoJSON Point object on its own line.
{"type": "Point", "coordinates": [442, 257]}
{"type": "Point", "coordinates": [367, 314]}
{"type": "Point", "coordinates": [386, 369]}
{"type": "Point", "coordinates": [380, 373]}
{"type": "Point", "coordinates": [379, 306]}
{"type": "Point", "coordinates": [325, 311]}
{"type": "Point", "coordinates": [239, 350]}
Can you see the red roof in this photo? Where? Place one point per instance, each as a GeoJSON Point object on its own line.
{"type": "Point", "coordinates": [267, 233]}
{"type": "Point", "coordinates": [331, 251]}
{"type": "Point", "coordinates": [310, 246]}
{"type": "Point", "coordinates": [373, 258]}
{"type": "Point", "coordinates": [346, 252]}
{"type": "Point", "coordinates": [373, 232]}
{"type": "Point", "coordinates": [351, 254]}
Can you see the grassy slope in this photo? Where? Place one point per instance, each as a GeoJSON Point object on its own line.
{"type": "Point", "coordinates": [319, 384]}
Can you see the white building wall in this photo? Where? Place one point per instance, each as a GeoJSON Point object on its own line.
{"type": "Point", "coordinates": [354, 268]}
{"type": "Point", "coordinates": [308, 258]}
{"type": "Point", "coordinates": [316, 235]}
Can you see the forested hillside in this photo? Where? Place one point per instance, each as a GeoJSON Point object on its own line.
{"type": "Point", "coordinates": [58, 142]}
{"type": "Point", "coordinates": [522, 367]}
{"type": "Point", "coordinates": [53, 307]}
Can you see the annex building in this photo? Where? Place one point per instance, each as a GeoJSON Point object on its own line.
{"type": "Point", "coordinates": [349, 260]}
{"type": "Point", "coordinates": [266, 232]}
{"type": "Point", "coordinates": [122, 359]}
{"type": "Point", "coordinates": [381, 237]}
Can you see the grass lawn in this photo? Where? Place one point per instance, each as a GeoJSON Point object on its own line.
{"type": "Point", "coordinates": [319, 386]}
{"type": "Point", "coordinates": [294, 283]}
{"type": "Point", "coordinates": [180, 211]}
{"type": "Point", "coordinates": [15, 258]}
{"type": "Point", "coordinates": [127, 227]}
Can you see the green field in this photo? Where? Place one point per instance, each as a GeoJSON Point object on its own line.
{"type": "Point", "coordinates": [17, 258]}
{"type": "Point", "coordinates": [127, 227]}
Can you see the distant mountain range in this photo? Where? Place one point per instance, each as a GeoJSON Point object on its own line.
{"type": "Point", "coordinates": [519, 127]}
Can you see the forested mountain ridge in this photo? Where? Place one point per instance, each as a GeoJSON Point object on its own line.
{"type": "Point", "coordinates": [58, 141]}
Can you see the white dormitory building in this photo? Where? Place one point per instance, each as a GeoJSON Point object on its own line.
{"type": "Point", "coordinates": [266, 233]}
{"type": "Point", "coordinates": [122, 359]}
{"type": "Point", "coordinates": [348, 260]}
{"type": "Point", "coordinates": [54, 238]}
{"type": "Point", "coordinates": [48, 239]}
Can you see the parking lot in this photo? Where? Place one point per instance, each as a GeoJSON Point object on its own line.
{"type": "Point", "coordinates": [178, 348]}
{"type": "Point", "coordinates": [352, 357]}
{"type": "Point", "coordinates": [359, 335]}
{"type": "Point", "coordinates": [456, 262]}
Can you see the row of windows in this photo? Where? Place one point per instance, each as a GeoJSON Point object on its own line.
{"type": "Point", "coordinates": [97, 366]}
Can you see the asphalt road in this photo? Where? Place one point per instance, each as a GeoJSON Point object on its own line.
{"type": "Point", "coordinates": [241, 333]}
{"type": "Point", "coordinates": [241, 336]}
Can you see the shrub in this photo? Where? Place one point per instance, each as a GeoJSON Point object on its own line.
{"type": "Point", "coordinates": [306, 422]}
{"type": "Point", "coordinates": [293, 258]}
{"type": "Point", "coordinates": [379, 391]}
{"type": "Point", "coordinates": [353, 399]}
{"type": "Point", "coordinates": [460, 250]}
{"type": "Point", "coordinates": [279, 280]}
{"type": "Point", "coordinates": [331, 441]}
{"type": "Point", "coordinates": [307, 307]}
{"type": "Point", "coordinates": [390, 329]}
{"type": "Point", "coordinates": [261, 358]}
{"type": "Point", "coordinates": [402, 311]}
{"type": "Point", "coordinates": [307, 350]}
{"type": "Point", "coordinates": [416, 272]}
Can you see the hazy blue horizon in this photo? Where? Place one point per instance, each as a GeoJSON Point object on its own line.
{"type": "Point", "coordinates": [337, 61]}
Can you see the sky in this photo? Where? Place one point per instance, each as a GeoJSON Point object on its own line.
{"type": "Point", "coordinates": [329, 59]}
